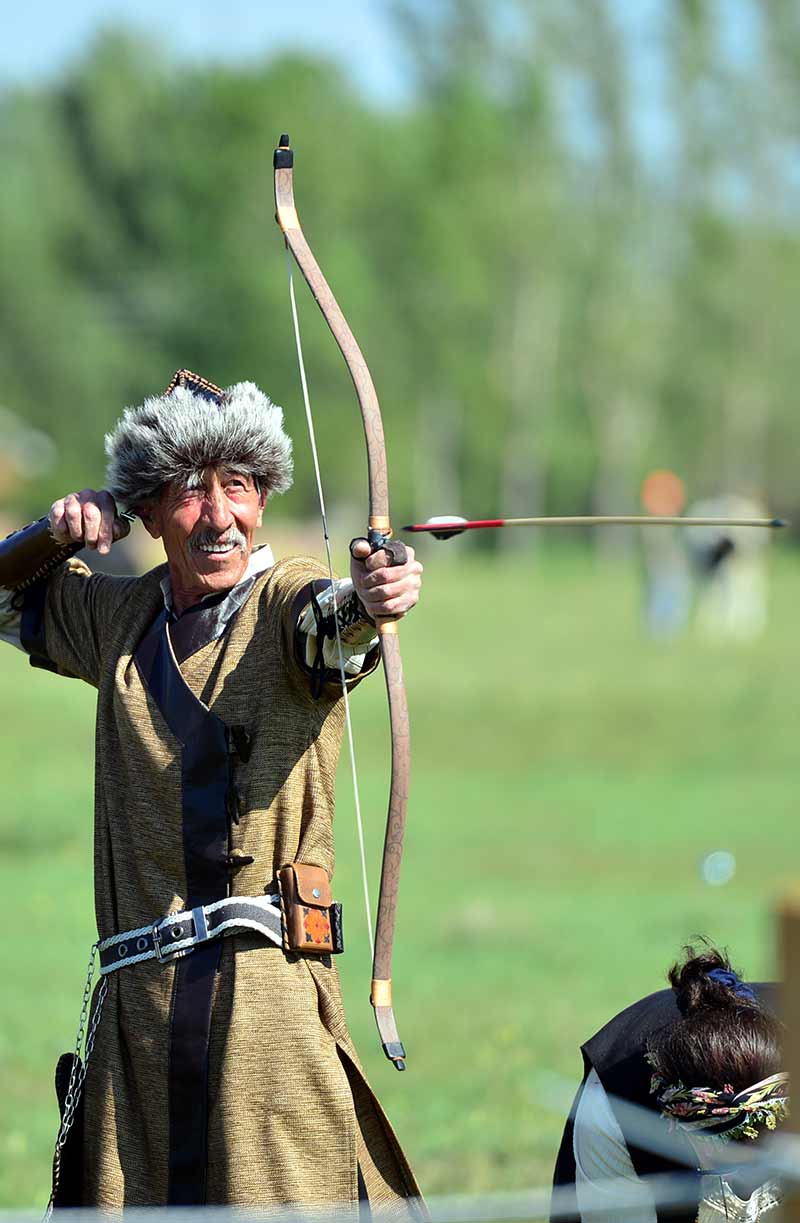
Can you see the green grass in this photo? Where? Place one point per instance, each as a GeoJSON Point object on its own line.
{"type": "Point", "coordinates": [568, 777]}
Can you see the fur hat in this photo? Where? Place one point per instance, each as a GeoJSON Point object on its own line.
{"type": "Point", "coordinates": [194, 425]}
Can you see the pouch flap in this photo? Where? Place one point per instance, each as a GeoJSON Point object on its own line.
{"type": "Point", "coordinates": [313, 885]}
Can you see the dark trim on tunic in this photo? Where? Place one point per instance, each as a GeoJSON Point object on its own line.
{"type": "Point", "coordinates": [205, 780]}
{"type": "Point", "coordinates": [190, 1031]}
{"type": "Point", "coordinates": [205, 766]}
{"type": "Point", "coordinates": [31, 627]}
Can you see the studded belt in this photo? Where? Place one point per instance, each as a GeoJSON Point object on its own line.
{"type": "Point", "coordinates": [178, 934]}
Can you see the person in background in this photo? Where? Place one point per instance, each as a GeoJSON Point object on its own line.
{"type": "Point", "coordinates": [665, 567]}
{"type": "Point", "coordinates": [706, 1055]}
{"type": "Point", "coordinates": [730, 570]}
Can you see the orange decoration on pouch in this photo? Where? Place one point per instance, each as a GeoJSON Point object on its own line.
{"type": "Point", "coordinates": [317, 927]}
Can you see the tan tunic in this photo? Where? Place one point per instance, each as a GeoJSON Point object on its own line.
{"type": "Point", "coordinates": [290, 1114]}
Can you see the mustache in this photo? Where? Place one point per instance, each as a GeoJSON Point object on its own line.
{"type": "Point", "coordinates": [208, 538]}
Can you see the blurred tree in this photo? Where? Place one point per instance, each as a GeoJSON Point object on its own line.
{"type": "Point", "coordinates": [490, 219]}
{"type": "Point", "coordinates": [552, 294]}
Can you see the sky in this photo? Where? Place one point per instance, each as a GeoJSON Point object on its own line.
{"type": "Point", "coordinates": [39, 37]}
{"type": "Point", "coordinates": [42, 36]}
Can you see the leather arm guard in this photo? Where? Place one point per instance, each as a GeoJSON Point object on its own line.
{"type": "Point", "coordinates": [32, 553]}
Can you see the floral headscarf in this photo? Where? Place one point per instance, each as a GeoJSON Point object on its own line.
{"type": "Point", "coordinates": [743, 1114]}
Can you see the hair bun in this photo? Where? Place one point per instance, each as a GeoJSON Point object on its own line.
{"type": "Point", "coordinates": [722, 1039]}
{"type": "Point", "coordinates": [695, 990]}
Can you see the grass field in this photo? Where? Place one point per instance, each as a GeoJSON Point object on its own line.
{"type": "Point", "coordinates": [568, 777]}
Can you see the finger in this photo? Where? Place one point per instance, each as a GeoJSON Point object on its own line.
{"type": "Point", "coordinates": [108, 513]}
{"type": "Point", "coordinates": [393, 575]}
{"type": "Point", "coordinates": [92, 520]}
{"type": "Point", "coordinates": [58, 526]}
{"type": "Point", "coordinates": [387, 609]}
{"type": "Point", "coordinates": [73, 516]}
{"type": "Point", "coordinates": [373, 561]}
{"type": "Point", "coordinates": [399, 599]}
{"type": "Point", "coordinates": [407, 587]}
{"type": "Point", "coordinates": [360, 549]}
{"type": "Point", "coordinates": [379, 572]}
{"type": "Point", "coordinates": [105, 536]}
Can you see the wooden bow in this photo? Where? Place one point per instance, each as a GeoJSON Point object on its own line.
{"type": "Point", "coordinates": [378, 534]}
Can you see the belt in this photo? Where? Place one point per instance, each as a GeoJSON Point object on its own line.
{"type": "Point", "coordinates": [178, 934]}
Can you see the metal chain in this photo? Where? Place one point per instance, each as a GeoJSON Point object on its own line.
{"type": "Point", "coordinates": [77, 1072]}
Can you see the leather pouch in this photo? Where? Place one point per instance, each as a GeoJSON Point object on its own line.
{"type": "Point", "coordinates": [312, 922]}
{"type": "Point", "coordinates": [68, 1171]}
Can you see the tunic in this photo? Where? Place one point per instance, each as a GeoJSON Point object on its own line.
{"type": "Point", "coordinates": [229, 1076]}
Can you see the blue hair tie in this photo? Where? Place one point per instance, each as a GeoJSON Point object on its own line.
{"type": "Point", "coordinates": [724, 976]}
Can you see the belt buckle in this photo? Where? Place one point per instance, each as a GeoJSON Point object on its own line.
{"type": "Point", "coordinates": [164, 953]}
{"type": "Point", "coordinates": [155, 934]}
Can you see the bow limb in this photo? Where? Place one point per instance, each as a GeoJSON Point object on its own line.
{"type": "Point", "coordinates": [379, 532]}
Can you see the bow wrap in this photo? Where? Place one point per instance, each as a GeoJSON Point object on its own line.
{"type": "Point", "coordinates": [378, 536]}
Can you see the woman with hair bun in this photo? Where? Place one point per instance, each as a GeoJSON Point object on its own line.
{"type": "Point", "coordinates": [707, 1056]}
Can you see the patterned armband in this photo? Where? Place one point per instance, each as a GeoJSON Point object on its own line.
{"type": "Point", "coordinates": [317, 625]}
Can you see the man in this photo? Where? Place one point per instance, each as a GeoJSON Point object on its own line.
{"type": "Point", "coordinates": [226, 1075]}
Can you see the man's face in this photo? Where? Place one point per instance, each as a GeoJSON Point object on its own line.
{"type": "Point", "coordinates": [207, 532]}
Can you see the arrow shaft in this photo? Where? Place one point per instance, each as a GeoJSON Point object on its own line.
{"type": "Point", "coordinates": [593, 520]}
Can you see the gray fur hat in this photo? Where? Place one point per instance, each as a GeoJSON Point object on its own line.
{"type": "Point", "coordinates": [194, 425]}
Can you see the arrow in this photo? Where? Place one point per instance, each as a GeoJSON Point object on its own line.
{"type": "Point", "coordinates": [447, 527]}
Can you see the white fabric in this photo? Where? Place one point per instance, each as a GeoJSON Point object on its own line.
{"type": "Point", "coordinates": [10, 619]}
{"type": "Point", "coordinates": [720, 1202]}
{"type": "Point", "coordinates": [718, 1199]}
{"type": "Point", "coordinates": [601, 1154]}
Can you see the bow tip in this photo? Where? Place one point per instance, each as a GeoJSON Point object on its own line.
{"type": "Point", "coordinates": [283, 157]}
{"type": "Point", "coordinates": [779, 522]}
{"type": "Point", "coordinates": [396, 1053]}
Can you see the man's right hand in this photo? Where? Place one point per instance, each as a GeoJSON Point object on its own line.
{"type": "Point", "coordinates": [88, 518]}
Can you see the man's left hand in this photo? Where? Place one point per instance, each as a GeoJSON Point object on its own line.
{"type": "Point", "coordinates": [385, 590]}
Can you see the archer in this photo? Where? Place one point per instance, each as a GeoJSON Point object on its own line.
{"type": "Point", "coordinates": [221, 1068]}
